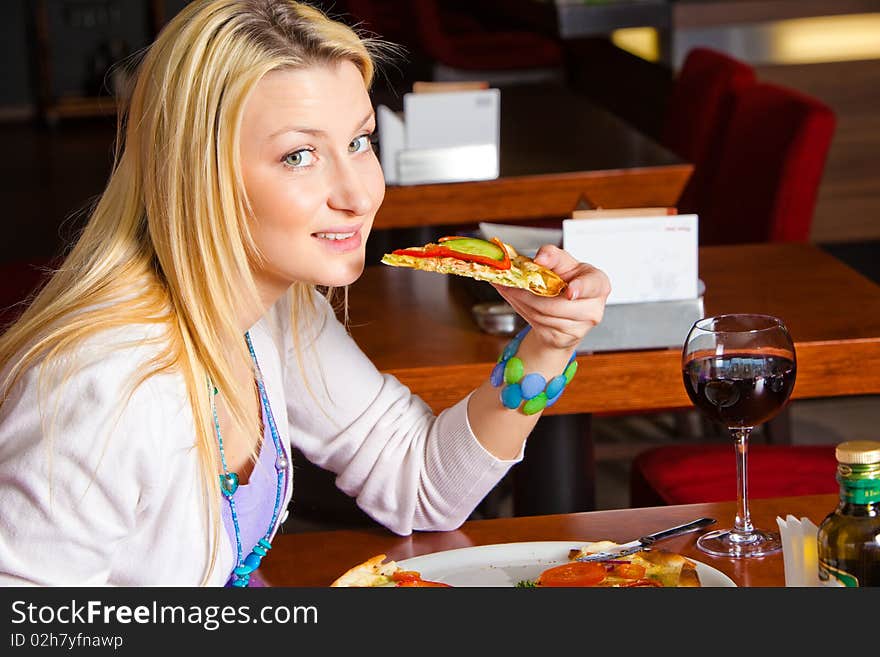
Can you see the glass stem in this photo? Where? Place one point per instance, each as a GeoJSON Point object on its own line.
{"type": "Point", "coordinates": [743, 527]}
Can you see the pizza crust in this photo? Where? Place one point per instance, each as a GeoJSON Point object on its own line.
{"type": "Point", "coordinates": [372, 572]}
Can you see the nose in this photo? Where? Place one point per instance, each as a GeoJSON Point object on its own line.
{"type": "Point", "coordinates": [349, 190]}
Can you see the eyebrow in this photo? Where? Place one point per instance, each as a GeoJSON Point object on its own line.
{"type": "Point", "coordinates": [317, 131]}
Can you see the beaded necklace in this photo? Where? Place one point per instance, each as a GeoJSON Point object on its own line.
{"type": "Point", "coordinates": [229, 482]}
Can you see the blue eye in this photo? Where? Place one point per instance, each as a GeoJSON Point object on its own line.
{"type": "Point", "coordinates": [359, 144]}
{"type": "Point", "coordinates": [298, 159]}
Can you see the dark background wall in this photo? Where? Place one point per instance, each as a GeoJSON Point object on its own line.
{"type": "Point", "coordinates": [85, 36]}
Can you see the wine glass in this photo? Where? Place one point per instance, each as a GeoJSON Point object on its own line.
{"type": "Point", "coordinates": [739, 370]}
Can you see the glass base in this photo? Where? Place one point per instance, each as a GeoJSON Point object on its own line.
{"type": "Point", "coordinates": [729, 543]}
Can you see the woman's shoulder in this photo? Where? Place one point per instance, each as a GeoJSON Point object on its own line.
{"type": "Point", "coordinates": [116, 368]}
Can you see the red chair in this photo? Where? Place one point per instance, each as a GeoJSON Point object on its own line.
{"type": "Point", "coordinates": [390, 19]}
{"type": "Point", "coordinates": [698, 114]}
{"type": "Point", "coordinates": [459, 44]}
{"type": "Point", "coordinates": [769, 168]}
{"type": "Point", "coordinates": [691, 474]}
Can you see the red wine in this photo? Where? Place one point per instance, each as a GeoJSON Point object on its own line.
{"type": "Point", "coordinates": [739, 390]}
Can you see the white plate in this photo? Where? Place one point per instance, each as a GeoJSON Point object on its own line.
{"type": "Point", "coordinates": [505, 564]}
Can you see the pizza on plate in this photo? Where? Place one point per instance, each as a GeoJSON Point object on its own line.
{"type": "Point", "coordinates": [646, 568]}
{"type": "Point", "coordinates": [376, 571]}
{"type": "Point", "coordinates": [492, 261]}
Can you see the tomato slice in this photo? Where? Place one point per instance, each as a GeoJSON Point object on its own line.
{"type": "Point", "coordinates": [405, 576]}
{"type": "Point", "coordinates": [413, 578]}
{"type": "Point", "coordinates": [576, 573]}
{"type": "Point", "coordinates": [422, 582]}
{"type": "Point", "coordinates": [440, 251]}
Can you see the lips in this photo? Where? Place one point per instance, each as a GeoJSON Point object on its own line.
{"type": "Point", "coordinates": [340, 239]}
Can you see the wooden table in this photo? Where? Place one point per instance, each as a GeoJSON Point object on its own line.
{"type": "Point", "coordinates": [556, 148]}
{"type": "Point", "coordinates": [417, 326]}
{"type": "Point", "coordinates": [317, 558]}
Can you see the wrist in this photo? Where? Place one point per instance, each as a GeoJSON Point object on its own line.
{"type": "Point", "coordinates": [530, 375]}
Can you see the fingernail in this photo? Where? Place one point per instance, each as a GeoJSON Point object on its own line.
{"type": "Point", "coordinates": [574, 294]}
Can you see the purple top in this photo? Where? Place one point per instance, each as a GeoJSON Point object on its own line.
{"type": "Point", "coordinates": [254, 503]}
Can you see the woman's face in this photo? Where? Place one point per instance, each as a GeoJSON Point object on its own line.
{"type": "Point", "coordinates": [311, 175]}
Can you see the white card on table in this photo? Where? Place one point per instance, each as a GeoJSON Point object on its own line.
{"type": "Point", "coordinates": [646, 258]}
{"type": "Point", "coordinates": [458, 118]}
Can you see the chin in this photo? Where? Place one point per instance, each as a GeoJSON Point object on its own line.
{"type": "Point", "coordinates": [342, 276]}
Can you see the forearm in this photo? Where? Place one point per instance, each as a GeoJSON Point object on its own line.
{"type": "Point", "coordinates": [500, 430]}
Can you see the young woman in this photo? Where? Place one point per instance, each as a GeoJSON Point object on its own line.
{"type": "Point", "coordinates": [150, 394]}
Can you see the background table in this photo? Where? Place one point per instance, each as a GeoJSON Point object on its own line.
{"type": "Point", "coordinates": [556, 148]}
{"type": "Point", "coordinates": [318, 558]}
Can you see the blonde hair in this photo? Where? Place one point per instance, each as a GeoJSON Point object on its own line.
{"type": "Point", "coordinates": [169, 242]}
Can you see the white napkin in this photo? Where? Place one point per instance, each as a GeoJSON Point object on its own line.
{"type": "Point", "coordinates": [799, 551]}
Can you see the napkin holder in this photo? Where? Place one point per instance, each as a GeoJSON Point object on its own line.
{"type": "Point", "coordinates": [648, 325]}
{"type": "Point", "coordinates": [799, 553]}
{"type": "Point", "coordinates": [441, 137]}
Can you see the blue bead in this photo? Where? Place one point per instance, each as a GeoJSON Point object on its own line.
{"type": "Point", "coordinates": [241, 583]}
{"type": "Point", "coordinates": [253, 560]}
{"type": "Point", "coordinates": [556, 385]}
{"type": "Point", "coordinates": [553, 400]}
{"type": "Point", "coordinates": [511, 396]}
{"type": "Point", "coordinates": [497, 376]}
{"type": "Point", "coordinates": [266, 544]}
{"type": "Point", "coordinates": [260, 550]}
{"type": "Point", "coordinates": [532, 385]}
{"type": "Point", "coordinates": [243, 571]}
{"type": "Point", "coordinates": [522, 333]}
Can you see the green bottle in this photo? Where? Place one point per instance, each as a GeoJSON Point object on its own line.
{"type": "Point", "coordinates": [849, 537]}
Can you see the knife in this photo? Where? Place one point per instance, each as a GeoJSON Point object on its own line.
{"type": "Point", "coordinates": [647, 541]}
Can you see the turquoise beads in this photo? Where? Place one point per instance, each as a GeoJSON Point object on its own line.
{"type": "Point", "coordinates": [251, 562]}
{"type": "Point", "coordinates": [533, 388]}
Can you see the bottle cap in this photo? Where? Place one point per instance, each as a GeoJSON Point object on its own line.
{"type": "Point", "coordinates": [860, 452]}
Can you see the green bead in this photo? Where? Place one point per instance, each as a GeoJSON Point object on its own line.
{"type": "Point", "coordinates": [570, 370]}
{"type": "Point", "coordinates": [535, 404]}
{"type": "Point", "coordinates": [513, 371]}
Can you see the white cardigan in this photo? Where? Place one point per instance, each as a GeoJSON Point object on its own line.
{"type": "Point", "coordinates": [112, 495]}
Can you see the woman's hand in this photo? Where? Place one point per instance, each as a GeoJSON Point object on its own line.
{"type": "Point", "coordinates": [561, 322]}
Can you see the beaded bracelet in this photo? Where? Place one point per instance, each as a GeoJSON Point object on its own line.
{"type": "Point", "coordinates": [533, 388]}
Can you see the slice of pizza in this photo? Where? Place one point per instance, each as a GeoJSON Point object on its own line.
{"type": "Point", "coordinates": [376, 571]}
{"type": "Point", "coordinates": [492, 261]}
{"type": "Point", "coordinates": [646, 568]}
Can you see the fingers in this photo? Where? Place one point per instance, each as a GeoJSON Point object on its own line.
{"type": "Point", "coordinates": [553, 311]}
{"type": "Point", "coordinates": [552, 257]}
{"type": "Point", "coordinates": [588, 283]}
{"type": "Point", "coordinates": [584, 280]}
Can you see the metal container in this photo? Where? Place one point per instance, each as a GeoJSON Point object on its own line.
{"type": "Point", "coordinates": [497, 318]}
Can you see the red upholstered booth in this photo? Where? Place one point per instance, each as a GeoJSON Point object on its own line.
{"type": "Point", "coordinates": [698, 114]}
{"type": "Point", "coordinates": [691, 474]}
{"type": "Point", "coordinates": [479, 49]}
{"type": "Point", "coordinates": [769, 168]}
